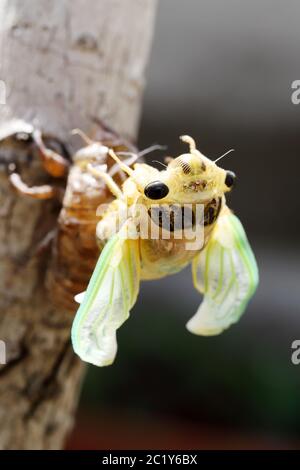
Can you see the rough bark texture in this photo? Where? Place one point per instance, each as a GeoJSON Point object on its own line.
{"type": "Point", "coordinates": [63, 63]}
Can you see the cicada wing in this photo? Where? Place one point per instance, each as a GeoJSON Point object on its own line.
{"type": "Point", "coordinates": [226, 273]}
{"type": "Point", "coordinates": [111, 293]}
{"type": "Point", "coordinates": [79, 297]}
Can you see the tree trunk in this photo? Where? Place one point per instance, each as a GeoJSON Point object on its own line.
{"type": "Point", "coordinates": [63, 63]}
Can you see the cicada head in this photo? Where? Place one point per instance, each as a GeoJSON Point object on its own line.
{"type": "Point", "coordinates": [192, 177]}
{"type": "Point", "coordinates": [188, 179]}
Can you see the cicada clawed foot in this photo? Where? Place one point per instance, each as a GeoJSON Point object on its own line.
{"type": "Point", "coordinates": [54, 164]}
{"type": "Point", "coordinates": [45, 191]}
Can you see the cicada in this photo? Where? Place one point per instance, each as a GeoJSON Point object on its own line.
{"type": "Point", "coordinates": [224, 268]}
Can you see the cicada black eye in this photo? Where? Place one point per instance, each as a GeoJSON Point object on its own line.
{"type": "Point", "coordinates": [230, 179]}
{"type": "Point", "coordinates": [156, 190]}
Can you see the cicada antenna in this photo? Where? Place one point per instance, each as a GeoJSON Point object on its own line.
{"type": "Point", "coordinates": [151, 149]}
{"type": "Point", "coordinates": [144, 152]}
{"type": "Point", "coordinates": [224, 155]}
{"type": "Point", "coordinates": [133, 157]}
{"type": "Point", "coordinates": [83, 135]}
{"type": "Point", "coordinates": [112, 186]}
{"type": "Point", "coordinates": [160, 163]}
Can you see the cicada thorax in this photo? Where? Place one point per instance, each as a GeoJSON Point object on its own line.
{"type": "Point", "coordinates": [173, 246]}
{"type": "Point", "coordinates": [75, 250]}
{"type": "Point", "coordinates": [173, 217]}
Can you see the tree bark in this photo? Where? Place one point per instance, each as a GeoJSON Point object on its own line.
{"type": "Point", "coordinates": [63, 63]}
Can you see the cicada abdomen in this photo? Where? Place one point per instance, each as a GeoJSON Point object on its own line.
{"type": "Point", "coordinates": [75, 249]}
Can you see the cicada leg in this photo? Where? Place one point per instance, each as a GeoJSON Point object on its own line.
{"type": "Point", "coordinates": [112, 186]}
{"type": "Point", "coordinates": [168, 159]}
{"type": "Point", "coordinates": [44, 191]}
{"type": "Point", "coordinates": [54, 163]}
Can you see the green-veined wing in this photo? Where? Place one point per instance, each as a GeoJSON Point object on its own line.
{"type": "Point", "coordinates": [111, 293]}
{"type": "Point", "coordinates": [226, 273]}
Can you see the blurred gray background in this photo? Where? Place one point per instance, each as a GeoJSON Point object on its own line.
{"type": "Point", "coordinates": [221, 72]}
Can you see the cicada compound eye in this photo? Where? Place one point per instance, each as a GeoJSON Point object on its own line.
{"type": "Point", "coordinates": [156, 190]}
{"type": "Point", "coordinates": [230, 179]}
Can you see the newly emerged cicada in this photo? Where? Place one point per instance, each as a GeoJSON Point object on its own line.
{"type": "Point", "coordinates": [212, 239]}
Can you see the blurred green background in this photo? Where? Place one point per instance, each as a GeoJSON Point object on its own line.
{"type": "Point", "coordinates": [221, 72]}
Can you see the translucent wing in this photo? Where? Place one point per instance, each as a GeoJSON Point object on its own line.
{"type": "Point", "coordinates": [111, 293]}
{"type": "Point", "coordinates": [226, 273]}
